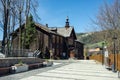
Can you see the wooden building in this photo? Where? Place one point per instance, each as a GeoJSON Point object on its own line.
{"type": "Point", "coordinates": [69, 41]}
{"type": "Point", "coordinates": [79, 50]}
{"type": "Point", "coordinates": [57, 42]}
{"type": "Point", "coordinates": [40, 43]}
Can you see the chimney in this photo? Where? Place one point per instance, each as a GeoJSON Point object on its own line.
{"type": "Point", "coordinates": [46, 25]}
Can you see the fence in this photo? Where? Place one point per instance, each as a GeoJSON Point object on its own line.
{"type": "Point", "coordinates": [19, 53]}
{"type": "Point", "coordinates": [98, 57]}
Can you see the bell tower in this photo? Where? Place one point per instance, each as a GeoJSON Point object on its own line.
{"type": "Point", "coordinates": [67, 23]}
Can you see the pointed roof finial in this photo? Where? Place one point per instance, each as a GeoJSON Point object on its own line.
{"type": "Point", "coordinates": [67, 17]}
{"type": "Point", "coordinates": [67, 22]}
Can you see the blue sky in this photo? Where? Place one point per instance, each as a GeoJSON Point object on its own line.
{"type": "Point", "coordinates": [54, 13]}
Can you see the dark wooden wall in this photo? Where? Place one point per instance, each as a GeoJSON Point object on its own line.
{"type": "Point", "coordinates": [79, 50]}
{"type": "Point", "coordinates": [46, 41]}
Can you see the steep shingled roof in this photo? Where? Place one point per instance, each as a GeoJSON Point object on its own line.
{"type": "Point", "coordinates": [43, 27]}
{"type": "Point", "coordinates": [65, 32]}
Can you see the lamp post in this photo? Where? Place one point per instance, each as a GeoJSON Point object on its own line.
{"type": "Point", "coordinates": [114, 52]}
{"type": "Point", "coordinates": [103, 53]}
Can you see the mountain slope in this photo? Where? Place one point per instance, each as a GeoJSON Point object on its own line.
{"type": "Point", "coordinates": [93, 39]}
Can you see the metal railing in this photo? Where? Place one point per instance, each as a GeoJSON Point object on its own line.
{"type": "Point", "coordinates": [19, 53]}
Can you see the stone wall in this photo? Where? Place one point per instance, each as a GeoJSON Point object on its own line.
{"type": "Point", "coordinates": [7, 62]}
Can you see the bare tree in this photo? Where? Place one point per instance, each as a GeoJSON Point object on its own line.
{"type": "Point", "coordinates": [14, 13]}
{"type": "Point", "coordinates": [108, 19]}
{"type": "Point", "coordinates": [6, 12]}
{"type": "Point", "coordinates": [20, 9]}
{"type": "Point", "coordinates": [13, 21]}
{"type": "Point", "coordinates": [31, 8]}
{"type": "Point", "coordinates": [27, 11]}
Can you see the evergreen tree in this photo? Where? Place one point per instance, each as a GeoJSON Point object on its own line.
{"type": "Point", "coordinates": [29, 36]}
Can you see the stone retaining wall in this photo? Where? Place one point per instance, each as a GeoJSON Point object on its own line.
{"type": "Point", "coordinates": [7, 62]}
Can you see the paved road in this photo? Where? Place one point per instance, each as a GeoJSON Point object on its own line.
{"type": "Point", "coordinates": [67, 70]}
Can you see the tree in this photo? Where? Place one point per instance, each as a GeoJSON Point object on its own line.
{"type": "Point", "coordinates": [6, 13]}
{"type": "Point", "coordinates": [108, 19]}
{"type": "Point", "coordinates": [30, 32]}
{"type": "Point", "coordinates": [14, 13]}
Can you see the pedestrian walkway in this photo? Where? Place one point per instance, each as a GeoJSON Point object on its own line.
{"type": "Point", "coordinates": [76, 70]}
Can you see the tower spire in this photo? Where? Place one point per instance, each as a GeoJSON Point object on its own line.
{"type": "Point", "coordinates": [67, 22]}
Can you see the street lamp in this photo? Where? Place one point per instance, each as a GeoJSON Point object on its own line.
{"type": "Point", "coordinates": [103, 53]}
{"type": "Point", "coordinates": [114, 52]}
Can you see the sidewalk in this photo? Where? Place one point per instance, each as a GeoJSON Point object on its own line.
{"type": "Point", "coordinates": [76, 70]}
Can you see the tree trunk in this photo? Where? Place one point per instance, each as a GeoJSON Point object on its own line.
{"type": "Point", "coordinates": [6, 5]}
